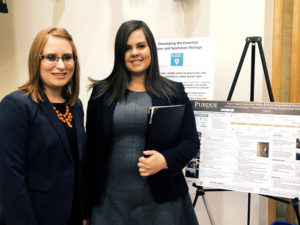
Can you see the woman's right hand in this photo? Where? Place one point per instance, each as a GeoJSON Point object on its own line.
{"type": "Point", "coordinates": [85, 222]}
{"type": "Point", "coordinates": [153, 163]}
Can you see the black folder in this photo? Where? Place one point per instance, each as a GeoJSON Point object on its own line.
{"type": "Point", "coordinates": [164, 126]}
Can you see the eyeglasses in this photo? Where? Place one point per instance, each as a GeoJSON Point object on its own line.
{"type": "Point", "coordinates": [52, 59]}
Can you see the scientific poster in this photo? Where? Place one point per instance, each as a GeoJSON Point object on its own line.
{"type": "Point", "coordinates": [250, 147]}
{"type": "Point", "coordinates": [190, 61]}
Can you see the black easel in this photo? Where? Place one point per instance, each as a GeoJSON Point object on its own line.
{"type": "Point", "coordinates": [201, 192]}
{"type": "Point", "coordinates": [253, 40]}
{"type": "Point", "coordinates": [257, 40]}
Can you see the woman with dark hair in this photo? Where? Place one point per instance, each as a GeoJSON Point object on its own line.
{"type": "Point", "coordinates": [42, 139]}
{"type": "Point", "coordinates": [129, 184]}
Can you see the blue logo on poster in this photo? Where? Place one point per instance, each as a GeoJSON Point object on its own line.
{"type": "Point", "coordinates": [176, 59]}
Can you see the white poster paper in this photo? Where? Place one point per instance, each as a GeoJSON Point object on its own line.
{"type": "Point", "coordinates": [190, 61]}
{"type": "Point", "coordinates": [250, 147]}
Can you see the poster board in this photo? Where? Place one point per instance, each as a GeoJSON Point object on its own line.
{"type": "Point", "coordinates": [190, 61]}
{"type": "Point", "coordinates": [248, 146]}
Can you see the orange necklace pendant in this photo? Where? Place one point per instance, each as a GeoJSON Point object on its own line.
{"type": "Point", "coordinates": [65, 118]}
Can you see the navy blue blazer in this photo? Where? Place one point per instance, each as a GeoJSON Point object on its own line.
{"type": "Point", "coordinates": [36, 164]}
{"type": "Point", "coordinates": [165, 185]}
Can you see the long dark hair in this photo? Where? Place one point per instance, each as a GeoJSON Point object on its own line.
{"type": "Point", "coordinates": [117, 81]}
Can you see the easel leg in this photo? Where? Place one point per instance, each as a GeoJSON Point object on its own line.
{"type": "Point", "coordinates": [212, 222]}
{"type": "Point", "coordinates": [195, 200]}
{"type": "Point", "coordinates": [249, 207]}
{"type": "Point", "coordinates": [296, 208]}
{"type": "Point", "coordinates": [200, 191]}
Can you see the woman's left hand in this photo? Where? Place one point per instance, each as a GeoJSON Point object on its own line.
{"type": "Point", "coordinates": [151, 164]}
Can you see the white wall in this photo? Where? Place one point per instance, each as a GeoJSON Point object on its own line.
{"type": "Point", "coordinates": [93, 24]}
{"type": "Point", "coordinates": [231, 22]}
{"type": "Point", "coordinates": [17, 31]}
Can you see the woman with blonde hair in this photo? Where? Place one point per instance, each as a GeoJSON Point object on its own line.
{"type": "Point", "coordinates": [42, 139]}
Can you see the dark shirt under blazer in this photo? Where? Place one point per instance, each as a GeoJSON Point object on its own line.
{"type": "Point", "coordinates": [36, 164]}
{"type": "Point", "coordinates": [167, 184]}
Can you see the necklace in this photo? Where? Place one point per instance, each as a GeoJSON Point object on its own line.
{"type": "Point", "coordinates": [65, 118]}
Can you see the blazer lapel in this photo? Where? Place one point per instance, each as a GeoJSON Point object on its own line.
{"type": "Point", "coordinates": [108, 111]}
{"type": "Point", "coordinates": [158, 101]}
{"type": "Point", "coordinates": [79, 131]}
{"type": "Point", "coordinates": [59, 128]}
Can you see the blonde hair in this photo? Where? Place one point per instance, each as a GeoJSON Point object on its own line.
{"type": "Point", "coordinates": [34, 86]}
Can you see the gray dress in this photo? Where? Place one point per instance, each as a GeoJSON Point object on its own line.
{"type": "Point", "coordinates": [127, 199]}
